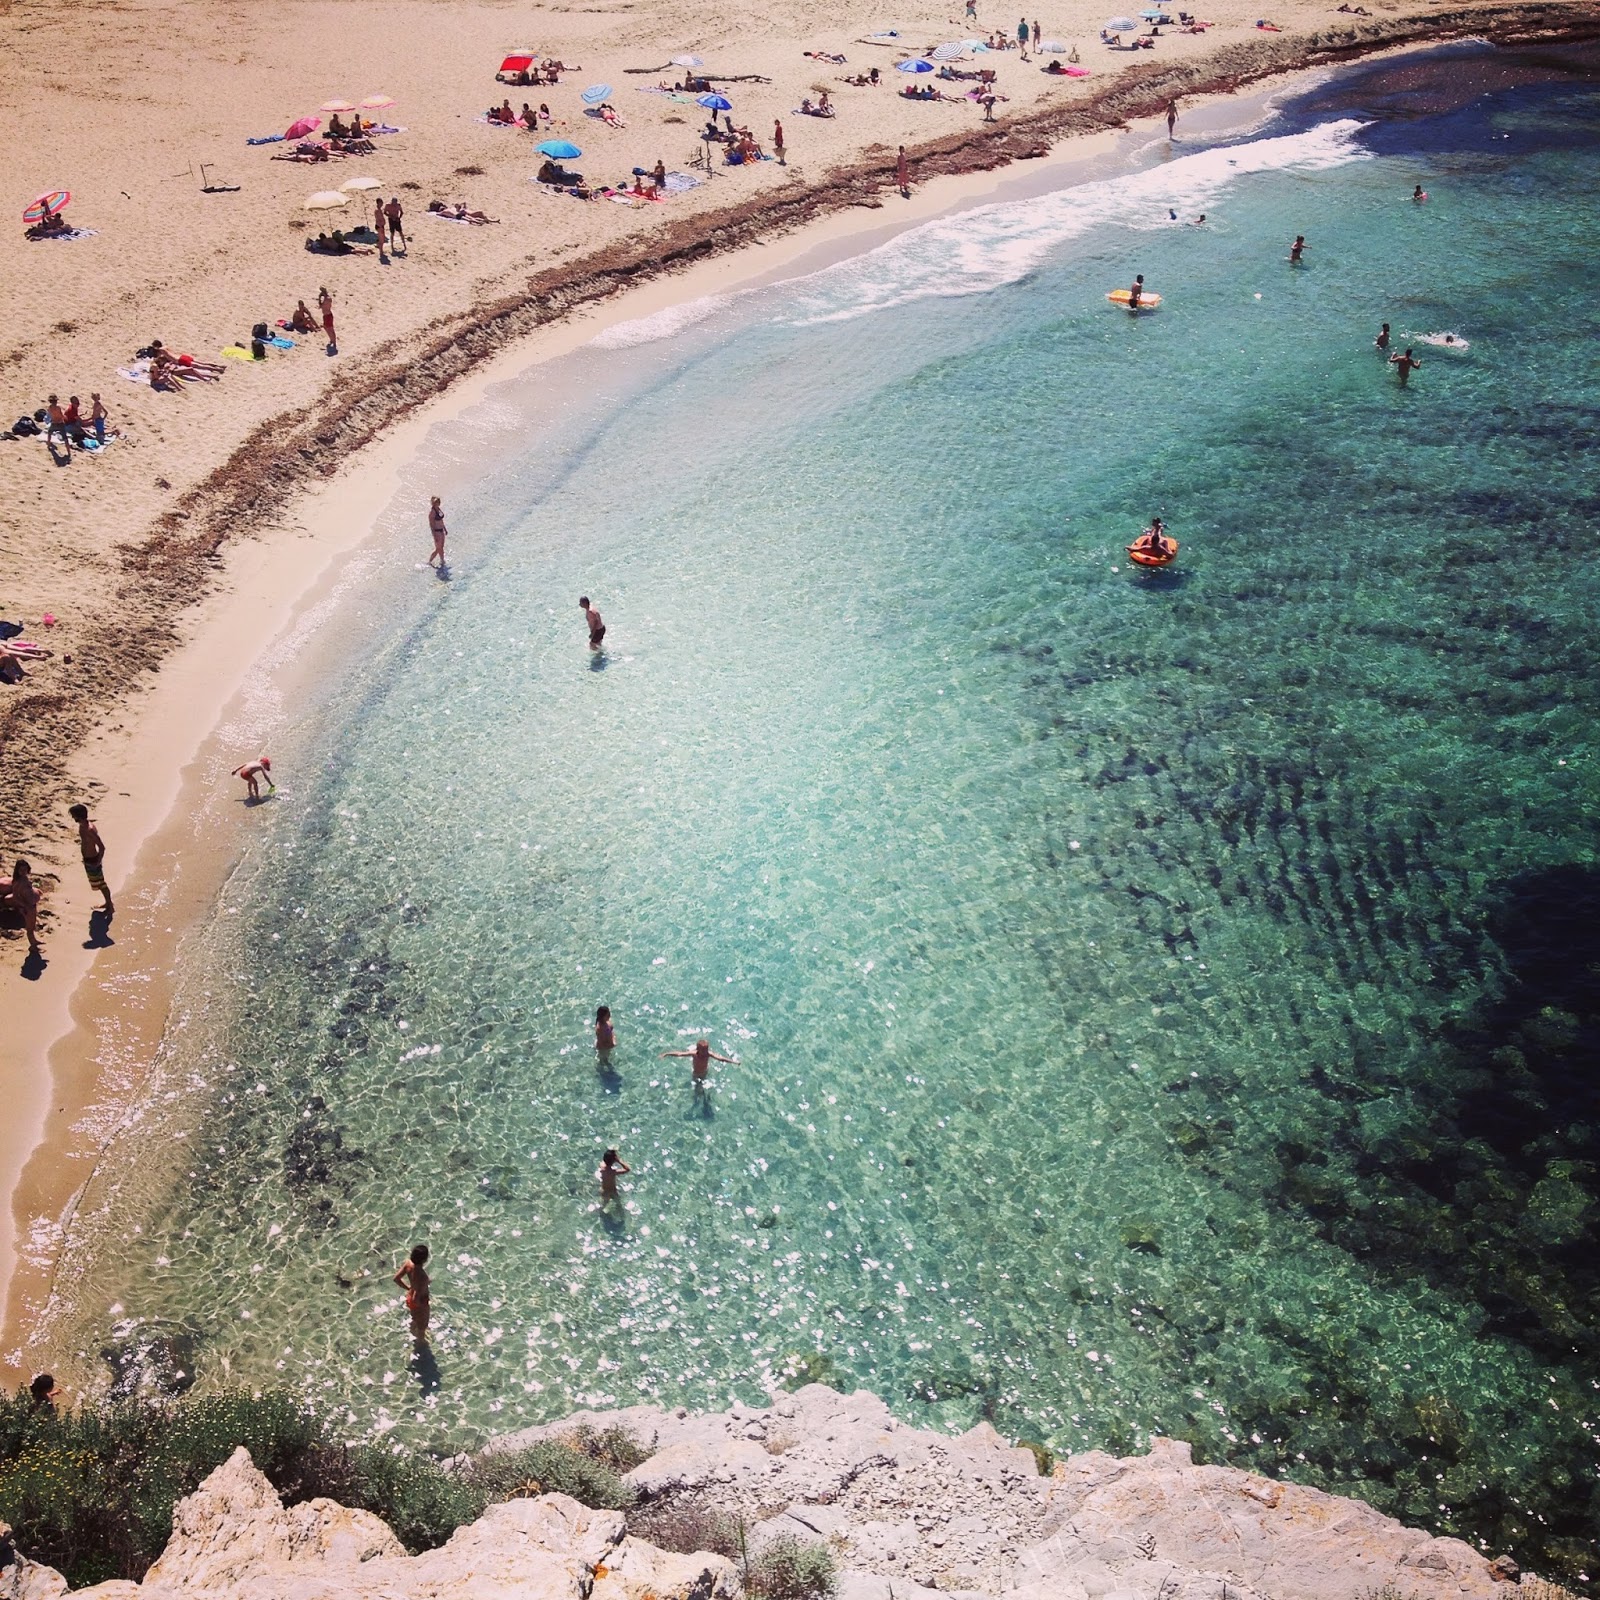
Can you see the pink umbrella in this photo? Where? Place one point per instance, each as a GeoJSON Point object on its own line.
{"type": "Point", "coordinates": [298, 130]}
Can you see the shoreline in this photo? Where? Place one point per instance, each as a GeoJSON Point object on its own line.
{"type": "Point", "coordinates": [91, 1035]}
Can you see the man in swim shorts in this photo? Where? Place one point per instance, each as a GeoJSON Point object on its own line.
{"type": "Point", "coordinates": [1297, 249]}
{"type": "Point", "coordinates": [94, 853]}
{"type": "Point", "coordinates": [1405, 365]}
{"type": "Point", "coordinates": [597, 626]}
{"type": "Point", "coordinates": [702, 1056]}
{"type": "Point", "coordinates": [1382, 341]}
{"type": "Point", "coordinates": [1136, 293]}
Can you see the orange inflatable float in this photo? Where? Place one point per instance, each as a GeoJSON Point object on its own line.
{"type": "Point", "coordinates": [1163, 555]}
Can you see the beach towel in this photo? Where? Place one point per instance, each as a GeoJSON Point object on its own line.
{"type": "Point", "coordinates": [69, 235]}
{"type": "Point", "coordinates": [678, 182]}
{"type": "Point", "coordinates": [281, 343]}
{"type": "Point", "coordinates": [439, 216]}
{"type": "Point", "coordinates": [267, 138]}
{"type": "Point", "coordinates": [237, 353]}
{"type": "Point", "coordinates": [139, 372]}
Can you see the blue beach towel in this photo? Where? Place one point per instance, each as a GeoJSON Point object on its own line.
{"type": "Point", "coordinates": [267, 138]}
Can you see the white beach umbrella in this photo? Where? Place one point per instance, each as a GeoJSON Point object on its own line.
{"type": "Point", "coordinates": [355, 185]}
{"type": "Point", "coordinates": [687, 61]}
{"type": "Point", "coordinates": [337, 105]}
{"type": "Point", "coordinates": [326, 200]}
{"type": "Point", "coordinates": [1121, 25]}
{"type": "Point", "coordinates": [1056, 47]}
{"type": "Point", "coordinates": [950, 52]}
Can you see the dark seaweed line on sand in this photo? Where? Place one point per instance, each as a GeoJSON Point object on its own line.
{"type": "Point", "coordinates": [173, 565]}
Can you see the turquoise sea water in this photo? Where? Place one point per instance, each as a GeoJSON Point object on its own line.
{"type": "Point", "coordinates": [1162, 1003]}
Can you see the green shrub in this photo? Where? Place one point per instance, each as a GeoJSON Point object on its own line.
{"type": "Point", "coordinates": [614, 1447]}
{"type": "Point", "coordinates": [549, 1468]}
{"type": "Point", "coordinates": [422, 1502]}
{"type": "Point", "coordinates": [91, 1492]}
{"type": "Point", "coordinates": [788, 1569]}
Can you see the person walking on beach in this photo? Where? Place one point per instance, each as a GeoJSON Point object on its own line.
{"type": "Point", "coordinates": [1405, 365]}
{"type": "Point", "coordinates": [437, 528]}
{"type": "Point", "coordinates": [972, 10]}
{"type": "Point", "coordinates": [1022, 36]}
{"type": "Point", "coordinates": [902, 174]}
{"type": "Point", "coordinates": [1297, 250]}
{"type": "Point", "coordinates": [380, 226]}
{"type": "Point", "coordinates": [325, 306]}
{"type": "Point", "coordinates": [660, 174]}
{"type": "Point", "coordinates": [597, 624]}
{"type": "Point", "coordinates": [702, 1056]}
{"type": "Point", "coordinates": [1038, 33]}
{"type": "Point", "coordinates": [394, 212]}
{"type": "Point", "coordinates": [94, 853]}
{"type": "Point", "coordinates": [413, 1278]}
{"type": "Point", "coordinates": [777, 142]}
{"type": "Point", "coordinates": [1172, 118]}
{"type": "Point", "coordinates": [252, 772]}
{"type": "Point", "coordinates": [21, 894]}
{"type": "Point", "coordinates": [611, 1164]}
{"type": "Point", "coordinates": [605, 1034]}
{"type": "Point", "coordinates": [1382, 341]}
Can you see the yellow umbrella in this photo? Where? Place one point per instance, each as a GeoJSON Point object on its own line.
{"type": "Point", "coordinates": [327, 200]}
{"type": "Point", "coordinates": [338, 105]}
{"type": "Point", "coordinates": [377, 102]}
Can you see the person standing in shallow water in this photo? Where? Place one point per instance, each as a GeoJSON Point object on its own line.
{"type": "Point", "coordinates": [413, 1278]}
{"type": "Point", "coordinates": [702, 1056]}
{"type": "Point", "coordinates": [437, 528]}
{"type": "Point", "coordinates": [1297, 250]}
{"type": "Point", "coordinates": [611, 1165]}
{"type": "Point", "coordinates": [1405, 365]}
{"type": "Point", "coordinates": [597, 623]}
{"type": "Point", "coordinates": [1172, 118]}
{"type": "Point", "coordinates": [1382, 341]}
{"type": "Point", "coordinates": [605, 1034]}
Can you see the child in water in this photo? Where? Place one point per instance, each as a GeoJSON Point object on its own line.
{"type": "Point", "coordinates": [702, 1055]}
{"type": "Point", "coordinates": [605, 1035]}
{"type": "Point", "coordinates": [611, 1164]}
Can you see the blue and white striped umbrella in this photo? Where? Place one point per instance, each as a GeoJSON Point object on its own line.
{"type": "Point", "coordinates": [950, 52]}
{"type": "Point", "coordinates": [913, 66]}
{"type": "Point", "coordinates": [595, 93]}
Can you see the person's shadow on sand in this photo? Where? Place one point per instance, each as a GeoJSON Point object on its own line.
{"type": "Point", "coordinates": [260, 799]}
{"type": "Point", "coordinates": [33, 966]}
{"type": "Point", "coordinates": [99, 931]}
{"type": "Point", "coordinates": [425, 1368]}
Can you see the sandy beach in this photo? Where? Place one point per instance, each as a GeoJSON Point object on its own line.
{"type": "Point", "coordinates": [139, 553]}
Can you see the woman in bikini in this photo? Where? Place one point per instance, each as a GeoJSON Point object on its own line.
{"type": "Point", "coordinates": [413, 1278]}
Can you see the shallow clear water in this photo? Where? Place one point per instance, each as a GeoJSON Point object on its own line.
{"type": "Point", "coordinates": [1162, 1003]}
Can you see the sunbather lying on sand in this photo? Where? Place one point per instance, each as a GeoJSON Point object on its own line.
{"type": "Point", "coordinates": [458, 212]}
{"type": "Point", "coordinates": [554, 172]}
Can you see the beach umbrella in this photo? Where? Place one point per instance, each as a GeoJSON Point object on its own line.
{"type": "Point", "coordinates": [518, 61]}
{"type": "Point", "coordinates": [377, 102]}
{"type": "Point", "coordinates": [337, 105]}
{"type": "Point", "coordinates": [595, 93]}
{"type": "Point", "coordinates": [559, 149]}
{"type": "Point", "coordinates": [356, 185]}
{"type": "Point", "coordinates": [1154, 16]}
{"type": "Point", "coordinates": [687, 61]}
{"type": "Point", "coordinates": [47, 205]}
{"type": "Point", "coordinates": [950, 52]}
{"type": "Point", "coordinates": [1054, 46]}
{"type": "Point", "coordinates": [326, 200]}
{"type": "Point", "coordinates": [298, 130]}
{"type": "Point", "coordinates": [714, 102]}
{"type": "Point", "coordinates": [917, 65]}
{"type": "Point", "coordinates": [1121, 25]}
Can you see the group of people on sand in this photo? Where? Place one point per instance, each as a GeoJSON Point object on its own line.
{"type": "Point", "coordinates": [67, 423]}
{"type": "Point", "coordinates": [20, 894]}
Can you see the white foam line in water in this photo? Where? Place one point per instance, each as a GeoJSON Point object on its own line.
{"type": "Point", "coordinates": [977, 251]}
{"type": "Point", "coordinates": [663, 324]}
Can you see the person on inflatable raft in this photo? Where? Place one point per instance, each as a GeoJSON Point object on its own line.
{"type": "Point", "coordinates": [1154, 548]}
